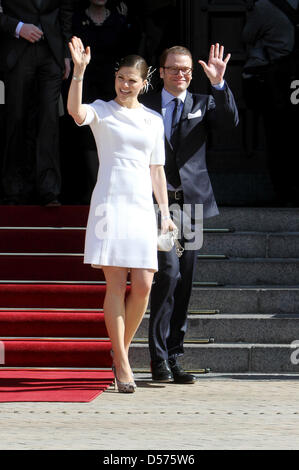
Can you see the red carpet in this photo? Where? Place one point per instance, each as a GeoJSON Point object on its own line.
{"type": "Point", "coordinates": [51, 295]}
{"type": "Point", "coordinates": [47, 268]}
{"type": "Point", "coordinates": [39, 241]}
{"type": "Point", "coordinates": [49, 386]}
{"type": "Point", "coordinates": [36, 216]}
{"type": "Point", "coordinates": [50, 307]}
{"type": "Point", "coordinates": [38, 352]}
{"type": "Point", "coordinates": [52, 324]}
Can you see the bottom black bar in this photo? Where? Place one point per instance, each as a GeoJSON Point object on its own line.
{"type": "Point", "coordinates": [135, 458]}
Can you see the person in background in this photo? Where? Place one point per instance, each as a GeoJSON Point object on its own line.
{"type": "Point", "coordinates": [106, 32]}
{"type": "Point", "coordinates": [2, 101]}
{"type": "Point", "coordinates": [36, 60]}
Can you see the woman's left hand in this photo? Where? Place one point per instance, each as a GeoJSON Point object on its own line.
{"type": "Point", "coordinates": [167, 225]}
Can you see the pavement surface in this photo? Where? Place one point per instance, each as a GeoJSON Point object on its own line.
{"type": "Point", "coordinates": [253, 412]}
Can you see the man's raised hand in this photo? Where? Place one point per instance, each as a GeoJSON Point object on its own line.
{"type": "Point", "coordinates": [216, 66]}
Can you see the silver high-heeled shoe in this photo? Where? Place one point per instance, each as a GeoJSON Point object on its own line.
{"type": "Point", "coordinates": [113, 369]}
{"type": "Point", "coordinates": [123, 387]}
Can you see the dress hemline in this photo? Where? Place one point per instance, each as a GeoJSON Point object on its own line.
{"type": "Point", "coordinates": [99, 266]}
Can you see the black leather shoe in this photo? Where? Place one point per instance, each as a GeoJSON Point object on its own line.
{"type": "Point", "coordinates": [179, 375]}
{"type": "Point", "coordinates": [161, 372]}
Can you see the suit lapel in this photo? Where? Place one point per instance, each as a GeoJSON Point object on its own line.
{"type": "Point", "coordinates": [187, 105]}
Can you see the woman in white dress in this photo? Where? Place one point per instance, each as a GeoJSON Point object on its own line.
{"type": "Point", "coordinates": [121, 234]}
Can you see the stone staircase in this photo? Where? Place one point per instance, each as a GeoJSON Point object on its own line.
{"type": "Point", "coordinates": [244, 310]}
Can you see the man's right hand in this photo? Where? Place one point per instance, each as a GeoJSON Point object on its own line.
{"type": "Point", "coordinates": [30, 32]}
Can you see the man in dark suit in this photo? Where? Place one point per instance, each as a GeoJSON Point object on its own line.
{"type": "Point", "coordinates": [187, 118]}
{"type": "Point", "coordinates": [35, 55]}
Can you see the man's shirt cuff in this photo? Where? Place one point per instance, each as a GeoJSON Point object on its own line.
{"type": "Point", "coordinates": [220, 85]}
{"type": "Point", "coordinates": [18, 29]}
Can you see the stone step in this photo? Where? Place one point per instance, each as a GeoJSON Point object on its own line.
{"type": "Point", "coordinates": [246, 299]}
{"type": "Point", "coordinates": [229, 358]}
{"type": "Point", "coordinates": [237, 244]}
{"type": "Point", "coordinates": [252, 244]}
{"type": "Point", "coordinates": [252, 271]}
{"type": "Point", "coordinates": [255, 328]}
{"type": "Point", "coordinates": [264, 219]}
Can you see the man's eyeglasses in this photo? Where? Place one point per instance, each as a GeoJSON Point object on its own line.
{"type": "Point", "coordinates": [177, 70]}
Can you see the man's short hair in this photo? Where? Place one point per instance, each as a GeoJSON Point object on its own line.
{"type": "Point", "coordinates": [181, 50]}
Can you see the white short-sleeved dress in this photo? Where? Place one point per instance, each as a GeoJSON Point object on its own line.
{"type": "Point", "coordinates": [122, 228]}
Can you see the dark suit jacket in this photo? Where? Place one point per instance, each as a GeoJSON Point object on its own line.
{"type": "Point", "coordinates": [216, 111]}
{"type": "Point", "coordinates": [55, 18]}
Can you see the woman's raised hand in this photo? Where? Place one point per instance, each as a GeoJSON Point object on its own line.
{"type": "Point", "coordinates": [80, 56]}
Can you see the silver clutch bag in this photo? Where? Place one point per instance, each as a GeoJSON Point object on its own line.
{"type": "Point", "coordinates": [166, 241]}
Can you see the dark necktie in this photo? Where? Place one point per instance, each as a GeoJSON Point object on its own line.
{"type": "Point", "coordinates": [175, 123]}
{"type": "Point", "coordinates": [171, 168]}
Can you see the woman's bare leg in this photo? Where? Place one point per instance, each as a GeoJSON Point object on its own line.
{"type": "Point", "coordinates": [115, 318]}
{"type": "Point", "coordinates": [136, 302]}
